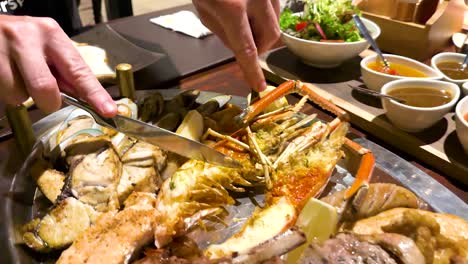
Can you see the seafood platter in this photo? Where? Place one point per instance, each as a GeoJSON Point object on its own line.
{"type": "Point", "coordinates": [306, 192]}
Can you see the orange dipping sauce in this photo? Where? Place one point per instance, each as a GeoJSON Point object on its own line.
{"type": "Point", "coordinates": [396, 69]}
{"type": "Point", "coordinates": [466, 117]}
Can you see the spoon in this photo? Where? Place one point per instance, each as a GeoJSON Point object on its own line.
{"type": "Point", "coordinates": [377, 94]}
{"type": "Point", "coordinates": [365, 33]}
{"type": "Point", "coordinates": [465, 61]}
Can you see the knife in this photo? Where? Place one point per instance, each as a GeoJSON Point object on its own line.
{"type": "Point", "coordinates": [160, 137]}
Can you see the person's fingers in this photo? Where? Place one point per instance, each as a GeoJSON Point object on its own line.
{"type": "Point", "coordinates": [210, 22]}
{"type": "Point", "coordinates": [38, 80]}
{"type": "Point", "coordinates": [64, 86]}
{"type": "Point", "coordinates": [73, 71]}
{"type": "Point", "coordinates": [237, 28]}
{"type": "Point", "coordinates": [13, 91]}
{"type": "Point", "coordinates": [264, 24]}
{"type": "Point", "coordinates": [277, 7]}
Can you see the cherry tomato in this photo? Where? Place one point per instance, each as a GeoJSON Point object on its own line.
{"type": "Point", "coordinates": [300, 26]}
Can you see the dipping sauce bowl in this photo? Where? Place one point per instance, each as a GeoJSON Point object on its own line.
{"type": "Point", "coordinates": [416, 119]}
{"type": "Point", "coordinates": [375, 80]}
{"type": "Point", "coordinates": [461, 116]}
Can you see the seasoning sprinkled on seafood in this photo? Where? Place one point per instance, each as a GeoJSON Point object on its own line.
{"type": "Point", "coordinates": [292, 153]}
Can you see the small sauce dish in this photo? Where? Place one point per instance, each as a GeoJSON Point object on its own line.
{"type": "Point", "coordinates": [375, 80]}
{"type": "Point", "coordinates": [461, 122]}
{"type": "Point", "coordinates": [448, 57]}
{"type": "Point", "coordinates": [415, 119]}
{"type": "Point", "coordinates": [464, 89]}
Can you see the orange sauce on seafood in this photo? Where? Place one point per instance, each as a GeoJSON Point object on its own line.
{"type": "Point", "coordinates": [300, 185]}
{"type": "Point", "coordinates": [231, 150]}
{"type": "Point", "coordinates": [396, 69]}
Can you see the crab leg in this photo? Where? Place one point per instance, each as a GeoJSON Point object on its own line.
{"type": "Point", "coordinates": [211, 132]}
{"type": "Point", "coordinates": [290, 87]}
{"type": "Point", "coordinates": [366, 167]}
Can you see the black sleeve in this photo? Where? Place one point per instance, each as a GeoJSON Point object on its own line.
{"type": "Point", "coordinates": [65, 12]}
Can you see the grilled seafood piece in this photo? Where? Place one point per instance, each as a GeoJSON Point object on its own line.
{"type": "Point", "coordinates": [116, 237]}
{"type": "Point", "coordinates": [143, 154]}
{"type": "Point", "coordinates": [292, 184]}
{"type": "Point", "coordinates": [59, 227]}
{"type": "Point", "coordinates": [102, 168]}
{"type": "Point", "coordinates": [73, 126]}
{"type": "Point", "coordinates": [374, 199]}
{"type": "Point", "coordinates": [189, 196]}
{"type": "Point", "coordinates": [49, 181]}
{"type": "Point", "coordinates": [89, 188]}
{"type": "Point", "coordinates": [442, 238]}
{"type": "Point", "coordinates": [183, 250]}
{"type": "Point", "coordinates": [151, 107]}
{"type": "Point", "coordinates": [291, 152]}
{"type": "Point", "coordinates": [350, 248]}
{"type": "Point", "coordinates": [137, 179]}
{"type": "Point", "coordinates": [95, 171]}
{"type": "Point", "coordinates": [142, 165]}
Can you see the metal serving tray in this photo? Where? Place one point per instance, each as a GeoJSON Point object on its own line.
{"type": "Point", "coordinates": [21, 200]}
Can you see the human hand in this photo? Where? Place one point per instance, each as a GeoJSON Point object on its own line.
{"type": "Point", "coordinates": [247, 27]}
{"type": "Point", "coordinates": [38, 59]}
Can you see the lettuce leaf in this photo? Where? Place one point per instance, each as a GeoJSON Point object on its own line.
{"type": "Point", "coordinates": [288, 20]}
{"type": "Point", "coordinates": [335, 18]}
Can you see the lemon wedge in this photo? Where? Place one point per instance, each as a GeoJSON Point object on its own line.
{"type": "Point", "coordinates": [277, 104]}
{"type": "Point", "coordinates": [318, 221]}
{"type": "Point", "coordinates": [192, 126]}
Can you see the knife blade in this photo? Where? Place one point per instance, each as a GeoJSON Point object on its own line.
{"type": "Point", "coordinates": [170, 141]}
{"type": "Point", "coordinates": [163, 138]}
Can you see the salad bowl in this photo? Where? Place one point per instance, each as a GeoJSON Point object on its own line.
{"type": "Point", "coordinates": [327, 54]}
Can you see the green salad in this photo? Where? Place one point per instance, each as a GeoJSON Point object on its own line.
{"type": "Point", "coordinates": [322, 20]}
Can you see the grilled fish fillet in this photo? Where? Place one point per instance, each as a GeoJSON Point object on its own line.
{"type": "Point", "coordinates": [59, 227]}
{"type": "Point", "coordinates": [116, 237]}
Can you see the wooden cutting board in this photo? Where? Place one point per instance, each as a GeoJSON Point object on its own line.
{"type": "Point", "coordinates": [437, 146]}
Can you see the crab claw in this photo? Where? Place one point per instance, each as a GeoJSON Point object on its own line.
{"type": "Point", "coordinates": [290, 87]}
{"type": "Point", "coordinates": [366, 167]}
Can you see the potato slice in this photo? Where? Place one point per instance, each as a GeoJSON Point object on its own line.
{"type": "Point", "coordinates": [192, 126]}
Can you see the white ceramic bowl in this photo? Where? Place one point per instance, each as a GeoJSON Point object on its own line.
{"type": "Point", "coordinates": [328, 54]}
{"type": "Point", "coordinates": [464, 89]}
{"type": "Point", "coordinates": [415, 119]}
{"type": "Point", "coordinates": [448, 56]}
{"type": "Point", "coordinates": [461, 123]}
{"type": "Point", "coordinates": [375, 80]}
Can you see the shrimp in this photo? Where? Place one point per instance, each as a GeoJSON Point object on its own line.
{"type": "Point", "coordinates": [291, 153]}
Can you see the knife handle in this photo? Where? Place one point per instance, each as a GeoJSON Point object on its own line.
{"type": "Point", "coordinates": [21, 126]}
{"type": "Point", "coordinates": [125, 80]}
